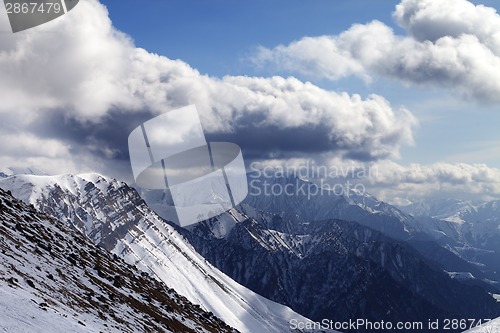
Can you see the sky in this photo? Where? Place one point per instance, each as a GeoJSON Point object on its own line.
{"type": "Point", "coordinates": [409, 88]}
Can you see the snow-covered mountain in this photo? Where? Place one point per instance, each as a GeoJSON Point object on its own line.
{"type": "Point", "coordinates": [336, 269]}
{"type": "Point", "coordinates": [472, 230]}
{"type": "Point", "coordinates": [290, 196]}
{"type": "Point", "coordinates": [54, 279]}
{"type": "Point", "coordinates": [363, 272]}
{"type": "Point", "coordinates": [448, 209]}
{"type": "Point", "coordinates": [113, 215]}
{"type": "Point", "coordinates": [295, 199]}
{"type": "Point", "coordinates": [10, 171]}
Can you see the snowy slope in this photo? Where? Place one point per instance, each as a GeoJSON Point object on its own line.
{"type": "Point", "coordinates": [53, 279]}
{"type": "Point", "coordinates": [114, 215]}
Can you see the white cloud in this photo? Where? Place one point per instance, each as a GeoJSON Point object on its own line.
{"type": "Point", "coordinates": [415, 181]}
{"type": "Point", "coordinates": [82, 69]}
{"type": "Point", "coordinates": [75, 62]}
{"type": "Point", "coordinates": [431, 20]}
{"type": "Point", "coordinates": [395, 183]}
{"type": "Point", "coordinates": [79, 69]}
{"type": "Point", "coordinates": [450, 43]}
{"type": "Point", "coordinates": [28, 145]}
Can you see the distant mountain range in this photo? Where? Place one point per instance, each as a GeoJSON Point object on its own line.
{"type": "Point", "coordinates": [471, 230]}
{"type": "Point", "coordinates": [338, 270]}
{"type": "Point", "coordinates": [329, 256]}
{"type": "Point", "coordinates": [469, 248]}
{"type": "Point", "coordinates": [311, 203]}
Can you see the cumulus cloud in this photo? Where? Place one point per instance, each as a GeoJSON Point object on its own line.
{"type": "Point", "coordinates": [393, 182]}
{"type": "Point", "coordinates": [450, 43]}
{"type": "Point", "coordinates": [80, 81]}
{"type": "Point", "coordinates": [26, 144]}
{"type": "Point", "coordinates": [73, 89]}
{"type": "Point", "coordinates": [430, 20]}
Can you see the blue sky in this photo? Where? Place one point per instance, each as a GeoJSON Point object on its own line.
{"type": "Point", "coordinates": [218, 37]}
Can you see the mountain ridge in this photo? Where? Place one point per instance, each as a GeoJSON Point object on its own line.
{"type": "Point", "coordinates": [114, 215]}
{"type": "Point", "coordinates": [52, 278]}
{"type": "Point", "coordinates": [274, 251]}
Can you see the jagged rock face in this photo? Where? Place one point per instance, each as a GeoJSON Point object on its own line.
{"type": "Point", "coordinates": [58, 278]}
{"type": "Point", "coordinates": [338, 270]}
{"type": "Point", "coordinates": [100, 208]}
{"type": "Point", "coordinates": [113, 215]}
{"type": "Point", "coordinates": [323, 269]}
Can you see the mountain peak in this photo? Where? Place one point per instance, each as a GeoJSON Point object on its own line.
{"type": "Point", "coordinates": [114, 215]}
{"type": "Point", "coordinates": [10, 171]}
{"type": "Point", "coordinates": [57, 280]}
